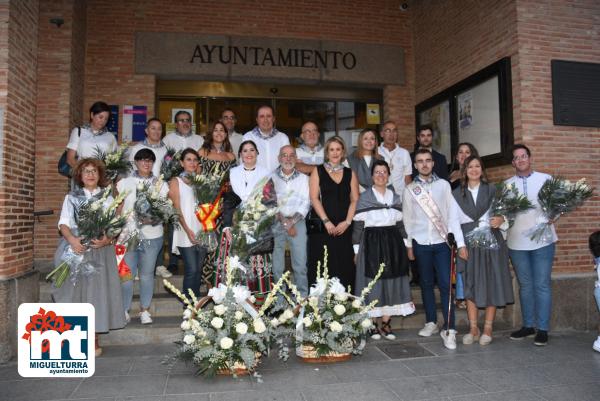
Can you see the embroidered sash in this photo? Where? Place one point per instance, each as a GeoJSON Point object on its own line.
{"type": "Point", "coordinates": [431, 209]}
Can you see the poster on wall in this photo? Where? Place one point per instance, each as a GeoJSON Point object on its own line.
{"type": "Point", "coordinates": [113, 121]}
{"type": "Point", "coordinates": [373, 114]}
{"type": "Point", "coordinates": [134, 123]}
{"type": "Point", "coordinates": [465, 109]}
{"type": "Point", "coordinates": [438, 117]}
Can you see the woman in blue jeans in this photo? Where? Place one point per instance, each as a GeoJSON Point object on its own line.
{"type": "Point", "coordinates": [184, 237]}
{"type": "Point", "coordinates": [142, 260]}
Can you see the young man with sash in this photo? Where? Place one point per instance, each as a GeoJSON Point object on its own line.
{"type": "Point", "coordinates": [430, 214]}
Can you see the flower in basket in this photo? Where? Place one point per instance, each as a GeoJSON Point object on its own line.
{"type": "Point", "coordinates": [171, 165]}
{"type": "Point", "coordinates": [117, 162]}
{"type": "Point", "coordinates": [556, 197]}
{"type": "Point", "coordinates": [222, 332]}
{"type": "Point", "coordinates": [153, 206]}
{"type": "Point", "coordinates": [208, 188]}
{"type": "Point", "coordinates": [95, 218]}
{"type": "Point", "coordinates": [507, 203]}
{"type": "Point", "coordinates": [332, 322]}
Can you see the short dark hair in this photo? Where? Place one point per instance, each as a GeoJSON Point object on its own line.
{"type": "Point", "coordinates": [227, 109]}
{"type": "Point", "coordinates": [262, 106]}
{"type": "Point", "coordinates": [180, 112]}
{"type": "Point", "coordinates": [425, 127]}
{"type": "Point", "coordinates": [247, 142]}
{"type": "Point", "coordinates": [99, 107]}
{"type": "Point", "coordinates": [421, 151]}
{"type": "Point", "coordinates": [517, 146]}
{"type": "Point", "coordinates": [153, 119]}
{"type": "Point", "coordinates": [594, 241]}
{"type": "Point", "coordinates": [186, 151]}
{"type": "Point", "coordinates": [380, 162]}
{"type": "Point", "coordinates": [144, 154]}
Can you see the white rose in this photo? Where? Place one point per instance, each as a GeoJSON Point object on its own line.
{"type": "Point", "coordinates": [241, 328]}
{"type": "Point", "coordinates": [274, 322]}
{"type": "Point", "coordinates": [199, 332]}
{"type": "Point", "coordinates": [313, 301]}
{"type": "Point", "coordinates": [256, 216]}
{"type": "Point", "coordinates": [239, 315]}
{"type": "Point", "coordinates": [335, 327]}
{"type": "Point", "coordinates": [140, 186]}
{"type": "Point", "coordinates": [95, 206]}
{"type": "Point", "coordinates": [339, 310]}
{"type": "Point", "coordinates": [341, 297]}
{"type": "Point", "coordinates": [288, 313]}
{"type": "Point", "coordinates": [187, 314]}
{"type": "Point", "coordinates": [220, 309]}
{"type": "Point", "coordinates": [226, 343]}
{"type": "Point", "coordinates": [356, 303]}
{"type": "Point", "coordinates": [307, 322]}
{"type": "Point", "coordinates": [185, 325]}
{"type": "Point", "coordinates": [189, 339]}
{"type": "Point", "coordinates": [259, 326]}
{"type": "Point", "coordinates": [367, 323]}
{"type": "Point", "coordinates": [282, 318]}
{"type": "Point", "coordinates": [216, 322]}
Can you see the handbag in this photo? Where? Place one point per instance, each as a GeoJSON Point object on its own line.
{"type": "Point", "coordinates": [314, 224]}
{"type": "Point", "coordinates": [63, 167]}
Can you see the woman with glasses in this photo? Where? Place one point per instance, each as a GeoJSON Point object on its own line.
{"type": "Point", "coordinates": [378, 237]}
{"type": "Point", "coordinates": [102, 288]}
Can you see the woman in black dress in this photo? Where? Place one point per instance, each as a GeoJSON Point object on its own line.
{"type": "Point", "coordinates": [333, 194]}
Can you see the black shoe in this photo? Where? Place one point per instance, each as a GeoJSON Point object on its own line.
{"type": "Point", "coordinates": [541, 338]}
{"type": "Point", "coordinates": [414, 283]}
{"type": "Point", "coordinates": [522, 333]}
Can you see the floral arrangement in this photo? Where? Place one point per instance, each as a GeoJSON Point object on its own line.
{"type": "Point", "coordinates": [230, 336]}
{"type": "Point", "coordinates": [252, 229]}
{"type": "Point", "coordinates": [153, 207]}
{"type": "Point", "coordinates": [557, 197]}
{"type": "Point", "coordinates": [171, 166]}
{"type": "Point", "coordinates": [331, 320]}
{"type": "Point", "coordinates": [208, 188]}
{"type": "Point", "coordinates": [507, 203]}
{"type": "Point", "coordinates": [117, 162]}
{"type": "Point", "coordinates": [93, 222]}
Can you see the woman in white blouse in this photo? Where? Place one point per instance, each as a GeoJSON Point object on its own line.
{"type": "Point", "coordinates": [378, 237]}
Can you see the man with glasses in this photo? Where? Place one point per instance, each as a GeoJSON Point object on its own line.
{"type": "Point", "coordinates": [310, 152]}
{"type": "Point", "coordinates": [430, 214]}
{"type": "Point", "coordinates": [532, 260]}
{"type": "Point", "coordinates": [396, 157]}
{"type": "Point", "coordinates": [229, 119]}
{"type": "Point", "coordinates": [267, 138]}
{"type": "Point", "coordinates": [292, 197]}
{"type": "Point", "coordinates": [425, 141]}
{"type": "Point", "coordinates": [183, 137]}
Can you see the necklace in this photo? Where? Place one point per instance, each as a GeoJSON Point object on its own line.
{"type": "Point", "coordinates": [247, 173]}
{"type": "Point", "coordinates": [218, 149]}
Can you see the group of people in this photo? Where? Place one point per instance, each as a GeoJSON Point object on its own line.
{"type": "Point", "coordinates": [376, 204]}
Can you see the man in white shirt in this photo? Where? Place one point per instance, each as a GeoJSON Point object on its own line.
{"type": "Point", "coordinates": [153, 142]}
{"type": "Point", "coordinates": [292, 197]}
{"type": "Point", "coordinates": [532, 260]}
{"type": "Point", "coordinates": [396, 157]}
{"type": "Point", "coordinates": [268, 139]}
{"type": "Point", "coordinates": [310, 152]}
{"type": "Point", "coordinates": [430, 215]}
{"type": "Point", "coordinates": [183, 137]}
{"type": "Point", "coordinates": [229, 119]}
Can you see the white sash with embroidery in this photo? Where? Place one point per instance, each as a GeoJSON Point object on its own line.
{"type": "Point", "coordinates": [431, 209]}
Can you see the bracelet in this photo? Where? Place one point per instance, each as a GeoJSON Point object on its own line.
{"type": "Point", "coordinates": [325, 220]}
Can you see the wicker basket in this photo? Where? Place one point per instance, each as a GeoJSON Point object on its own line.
{"type": "Point", "coordinates": [308, 353]}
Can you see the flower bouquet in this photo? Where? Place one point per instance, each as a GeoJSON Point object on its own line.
{"type": "Point", "coordinates": [152, 206]}
{"type": "Point", "coordinates": [117, 162]}
{"type": "Point", "coordinates": [171, 166]}
{"type": "Point", "coordinates": [227, 338]}
{"type": "Point", "coordinates": [332, 323]}
{"type": "Point", "coordinates": [557, 197]}
{"type": "Point", "coordinates": [93, 221]}
{"type": "Point", "coordinates": [208, 188]}
{"type": "Point", "coordinates": [507, 203]}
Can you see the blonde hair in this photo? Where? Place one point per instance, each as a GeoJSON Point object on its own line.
{"type": "Point", "coordinates": [337, 139]}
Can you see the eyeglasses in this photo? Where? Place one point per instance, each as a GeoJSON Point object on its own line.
{"type": "Point", "coordinates": [288, 156]}
{"type": "Point", "coordinates": [89, 172]}
{"type": "Point", "coordinates": [184, 120]}
{"type": "Point", "coordinates": [145, 161]}
{"type": "Point", "coordinates": [310, 131]}
{"type": "Point", "coordinates": [380, 172]}
{"type": "Point", "coordinates": [389, 130]}
{"type": "Point", "coordinates": [232, 118]}
{"type": "Point", "coordinates": [522, 157]}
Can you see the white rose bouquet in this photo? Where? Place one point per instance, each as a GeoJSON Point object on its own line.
{"type": "Point", "coordinates": [117, 162]}
{"type": "Point", "coordinates": [557, 197]}
{"type": "Point", "coordinates": [171, 165]}
{"type": "Point", "coordinates": [152, 205]}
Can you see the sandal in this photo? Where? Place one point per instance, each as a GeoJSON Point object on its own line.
{"type": "Point", "coordinates": [469, 338]}
{"type": "Point", "coordinates": [386, 330]}
{"type": "Point", "coordinates": [485, 339]}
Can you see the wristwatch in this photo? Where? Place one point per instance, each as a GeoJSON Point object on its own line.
{"type": "Point", "coordinates": [325, 220]}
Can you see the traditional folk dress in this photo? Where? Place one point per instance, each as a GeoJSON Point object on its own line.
{"type": "Point", "coordinates": [378, 237]}
{"type": "Point", "coordinates": [486, 275]}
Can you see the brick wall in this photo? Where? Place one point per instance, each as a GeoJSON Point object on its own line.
{"type": "Point", "coordinates": [18, 58]}
{"type": "Point", "coordinates": [454, 39]}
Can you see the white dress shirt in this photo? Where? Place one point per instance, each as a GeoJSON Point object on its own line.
{"type": "Point", "coordinates": [292, 195]}
{"type": "Point", "coordinates": [268, 148]}
{"type": "Point", "coordinates": [400, 165]}
{"type": "Point", "coordinates": [179, 142]}
{"type": "Point", "coordinates": [86, 144]}
{"type": "Point", "coordinates": [243, 181]}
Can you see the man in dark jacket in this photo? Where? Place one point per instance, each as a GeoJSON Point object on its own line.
{"type": "Point", "coordinates": [425, 141]}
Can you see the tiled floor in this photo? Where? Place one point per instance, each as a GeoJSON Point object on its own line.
{"type": "Point", "coordinates": [410, 368]}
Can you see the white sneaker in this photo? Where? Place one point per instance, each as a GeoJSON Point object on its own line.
{"type": "Point", "coordinates": [596, 345]}
{"type": "Point", "coordinates": [163, 272]}
{"type": "Point", "coordinates": [145, 317]}
{"type": "Point", "coordinates": [127, 317]}
{"type": "Point", "coordinates": [449, 338]}
{"type": "Point", "coordinates": [429, 329]}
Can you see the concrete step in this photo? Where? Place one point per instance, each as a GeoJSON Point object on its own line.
{"type": "Point", "coordinates": [163, 330]}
